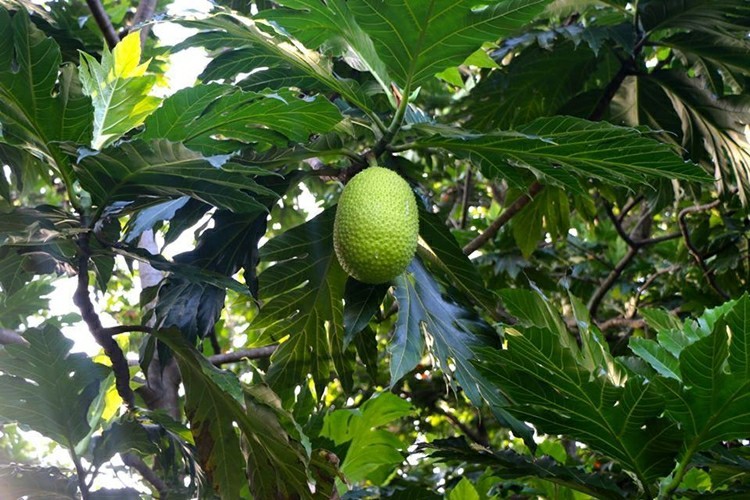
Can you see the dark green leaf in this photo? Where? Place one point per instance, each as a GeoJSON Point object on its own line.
{"type": "Point", "coordinates": [124, 435]}
{"type": "Point", "coordinates": [461, 271]}
{"type": "Point", "coordinates": [303, 298]}
{"type": "Point", "coordinates": [563, 149]}
{"type": "Point", "coordinates": [214, 404]}
{"type": "Point", "coordinates": [523, 90]}
{"type": "Point", "coordinates": [195, 307]}
{"type": "Point", "coordinates": [40, 102]}
{"type": "Point", "coordinates": [271, 48]}
{"type": "Point", "coordinates": [36, 482]}
{"type": "Point", "coordinates": [30, 388]}
{"type": "Point", "coordinates": [580, 392]}
{"type": "Point", "coordinates": [198, 116]}
{"type": "Point", "coordinates": [163, 168]}
{"type": "Point", "coordinates": [361, 302]}
{"type": "Point", "coordinates": [456, 336]}
{"type": "Point", "coordinates": [509, 464]}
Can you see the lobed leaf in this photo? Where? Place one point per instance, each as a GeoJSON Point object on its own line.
{"type": "Point", "coordinates": [30, 388]}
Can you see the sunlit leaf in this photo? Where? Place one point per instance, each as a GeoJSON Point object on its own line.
{"type": "Point", "coordinates": [418, 39]}
{"type": "Point", "coordinates": [119, 89]}
{"type": "Point", "coordinates": [199, 116]}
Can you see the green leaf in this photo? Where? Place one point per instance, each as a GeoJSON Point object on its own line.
{"type": "Point", "coordinates": [581, 393]}
{"type": "Point", "coordinates": [695, 15]}
{"type": "Point", "coordinates": [509, 464]}
{"type": "Point", "coordinates": [194, 307]}
{"type": "Point", "coordinates": [418, 39]}
{"type": "Point", "coordinates": [119, 88]}
{"type": "Point", "coordinates": [303, 299]}
{"type": "Point", "coordinates": [523, 90]}
{"type": "Point", "coordinates": [548, 212]}
{"type": "Point", "coordinates": [462, 272]}
{"type": "Point", "coordinates": [464, 490]}
{"type": "Point", "coordinates": [17, 307]}
{"type": "Point", "coordinates": [361, 302]}
{"type": "Point", "coordinates": [198, 116]}
{"type": "Point", "coordinates": [125, 434]}
{"type": "Point", "coordinates": [41, 102]}
{"type": "Point", "coordinates": [316, 23]}
{"type": "Point", "coordinates": [712, 127]}
{"type": "Point", "coordinates": [167, 169]}
{"type": "Point", "coordinates": [370, 449]}
{"type": "Point", "coordinates": [708, 392]}
{"type": "Point", "coordinates": [30, 388]}
{"type": "Point", "coordinates": [257, 44]}
{"type": "Point", "coordinates": [214, 403]}
{"type": "Point", "coordinates": [563, 149]}
{"type": "Point", "coordinates": [456, 335]}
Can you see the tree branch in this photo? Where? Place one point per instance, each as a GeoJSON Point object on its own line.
{"type": "Point", "coordinates": [136, 462]}
{"type": "Point", "coordinates": [120, 329]}
{"type": "Point", "coordinates": [609, 282]}
{"type": "Point", "coordinates": [504, 217]}
{"type": "Point", "coordinates": [104, 23]}
{"type": "Point", "coordinates": [111, 348]}
{"type": "Point", "coordinates": [465, 198]}
{"type": "Point", "coordinates": [240, 354]}
{"type": "Point", "coordinates": [694, 251]}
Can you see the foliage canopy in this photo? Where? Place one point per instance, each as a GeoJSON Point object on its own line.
{"type": "Point", "coordinates": [575, 321]}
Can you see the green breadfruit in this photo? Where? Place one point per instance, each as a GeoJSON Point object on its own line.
{"type": "Point", "coordinates": [376, 227]}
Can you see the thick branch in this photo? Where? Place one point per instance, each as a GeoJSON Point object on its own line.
{"type": "Point", "coordinates": [504, 217]}
{"type": "Point", "coordinates": [240, 354]}
{"type": "Point", "coordinates": [104, 23]}
{"type": "Point", "coordinates": [694, 251]}
{"type": "Point", "coordinates": [143, 13]}
{"type": "Point", "coordinates": [82, 300]}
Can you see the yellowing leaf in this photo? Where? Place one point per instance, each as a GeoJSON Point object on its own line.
{"type": "Point", "coordinates": [119, 89]}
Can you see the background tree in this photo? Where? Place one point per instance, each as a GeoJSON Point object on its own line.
{"type": "Point", "coordinates": [573, 324]}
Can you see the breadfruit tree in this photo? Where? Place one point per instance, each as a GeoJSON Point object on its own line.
{"type": "Point", "coordinates": [534, 284]}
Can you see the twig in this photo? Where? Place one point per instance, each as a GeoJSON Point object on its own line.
{"type": "Point", "coordinates": [136, 462]}
{"type": "Point", "coordinates": [629, 205]}
{"type": "Point", "coordinates": [618, 225]}
{"type": "Point", "coordinates": [120, 329]}
{"type": "Point", "coordinates": [465, 198]}
{"type": "Point", "coordinates": [693, 250]}
{"type": "Point", "coordinates": [462, 427]}
{"type": "Point", "coordinates": [240, 354]}
{"type": "Point", "coordinates": [503, 218]}
{"type": "Point", "coordinates": [104, 23]}
{"type": "Point", "coordinates": [618, 322]}
{"type": "Point", "coordinates": [649, 281]}
{"type": "Point", "coordinates": [80, 472]}
{"type": "Point", "coordinates": [599, 294]}
{"type": "Point", "coordinates": [82, 300]}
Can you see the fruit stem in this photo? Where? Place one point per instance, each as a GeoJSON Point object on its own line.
{"type": "Point", "coordinates": [395, 125]}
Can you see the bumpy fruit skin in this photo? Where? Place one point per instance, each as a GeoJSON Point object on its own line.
{"type": "Point", "coordinates": [376, 227]}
